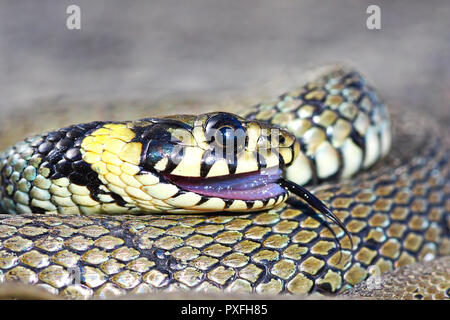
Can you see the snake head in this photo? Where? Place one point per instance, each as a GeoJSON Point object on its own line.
{"type": "Point", "coordinates": [216, 144]}
{"type": "Point", "coordinates": [218, 155]}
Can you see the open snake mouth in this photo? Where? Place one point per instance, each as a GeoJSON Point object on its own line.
{"type": "Point", "coordinates": [250, 186]}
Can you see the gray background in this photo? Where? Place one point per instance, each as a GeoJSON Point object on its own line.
{"type": "Point", "coordinates": [217, 50]}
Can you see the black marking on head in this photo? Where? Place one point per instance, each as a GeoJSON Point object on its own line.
{"type": "Point", "coordinates": [175, 158]}
{"type": "Point", "coordinates": [63, 145]}
{"type": "Point", "coordinates": [265, 202]}
{"type": "Point", "coordinates": [208, 159]}
{"type": "Point", "coordinates": [156, 132]}
{"type": "Point", "coordinates": [155, 150]}
{"type": "Point", "coordinates": [61, 155]}
{"type": "Point", "coordinates": [228, 203]}
{"type": "Point", "coordinates": [168, 122]}
{"type": "Point", "coordinates": [179, 193]}
{"type": "Point", "coordinates": [202, 200]}
{"type": "Point", "coordinates": [280, 157]}
{"type": "Point", "coordinates": [232, 163]}
{"type": "Point", "coordinates": [159, 143]}
{"type": "Point", "coordinates": [261, 160]}
{"type": "Point", "coordinates": [223, 120]}
{"type": "Point", "coordinates": [64, 167]}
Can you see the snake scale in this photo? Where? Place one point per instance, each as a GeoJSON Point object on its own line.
{"type": "Point", "coordinates": [200, 203]}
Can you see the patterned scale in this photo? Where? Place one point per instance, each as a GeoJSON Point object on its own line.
{"type": "Point", "coordinates": [283, 250]}
{"type": "Point", "coordinates": [397, 213]}
{"type": "Point", "coordinates": [341, 124]}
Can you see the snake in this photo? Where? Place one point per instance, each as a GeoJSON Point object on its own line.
{"type": "Point", "coordinates": [313, 192]}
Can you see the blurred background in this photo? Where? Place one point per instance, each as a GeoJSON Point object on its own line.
{"type": "Point", "coordinates": [169, 56]}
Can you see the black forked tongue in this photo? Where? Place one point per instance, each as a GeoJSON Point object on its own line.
{"type": "Point", "coordinates": [314, 202]}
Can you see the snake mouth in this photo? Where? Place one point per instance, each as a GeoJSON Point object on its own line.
{"type": "Point", "coordinates": [250, 186]}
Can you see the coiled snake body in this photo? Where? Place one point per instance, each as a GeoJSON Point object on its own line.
{"type": "Point", "coordinates": [106, 208]}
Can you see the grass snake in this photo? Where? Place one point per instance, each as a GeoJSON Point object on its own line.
{"type": "Point", "coordinates": [217, 202]}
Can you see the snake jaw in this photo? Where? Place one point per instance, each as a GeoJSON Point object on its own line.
{"type": "Point", "coordinates": [259, 185]}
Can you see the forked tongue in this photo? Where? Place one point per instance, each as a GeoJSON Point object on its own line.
{"type": "Point", "coordinates": [316, 203]}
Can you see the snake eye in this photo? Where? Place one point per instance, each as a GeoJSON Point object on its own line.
{"type": "Point", "coordinates": [226, 131]}
{"type": "Point", "coordinates": [223, 120]}
{"type": "Point", "coordinates": [223, 134]}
